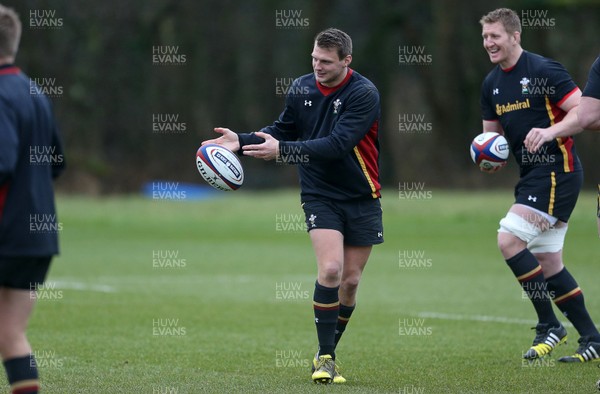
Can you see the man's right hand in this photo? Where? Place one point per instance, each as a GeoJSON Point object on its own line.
{"type": "Point", "coordinates": [228, 139]}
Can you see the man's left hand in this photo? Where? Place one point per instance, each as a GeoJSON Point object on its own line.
{"type": "Point", "coordinates": [268, 150]}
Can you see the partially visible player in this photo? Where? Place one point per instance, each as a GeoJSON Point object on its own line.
{"type": "Point", "coordinates": [533, 101]}
{"type": "Point", "coordinates": [589, 106]}
{"type": "Point", "coordinates": [26, 125]}
{"type": "Point", "coordinates": [589, 110]}
{"type": "Point", "coordinates": [331, 132]}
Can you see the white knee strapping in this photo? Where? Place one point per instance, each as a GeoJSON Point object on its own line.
{"type": "Point", "coordinates": [519, 227]}
{"type": "Point", "coordinates": [550, 241]}
{"type": "Point", "coordinates": [551, 219]}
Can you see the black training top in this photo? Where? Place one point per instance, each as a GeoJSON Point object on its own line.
{"type": "Point", "coordinates": [332, 135]}
{"type": "Point", "coordinates": [529, 95]}
{"type": "Point", "coordinates": [30, 157]}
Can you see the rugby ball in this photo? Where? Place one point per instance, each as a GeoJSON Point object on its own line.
{"type": "Point", "coordinates": [220, 167]}
{"type": "Point", "coordinates": [489, 150]}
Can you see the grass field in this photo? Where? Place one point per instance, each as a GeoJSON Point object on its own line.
{"type": "Point", "coordinates": [155, 296]}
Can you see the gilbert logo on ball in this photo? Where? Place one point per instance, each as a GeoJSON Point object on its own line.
{"type": "Point", "coordinates": [489, 150]}
{"type": "Point", "coordinates": [220, 167]}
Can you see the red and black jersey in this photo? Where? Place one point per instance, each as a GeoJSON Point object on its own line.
{"type": "Point", "coordinates": [31, 156]}
{"type": "Point", "coordinates": [525, 96]}
{"type": "Point", "coordinates": [332, 135]}
{"type": "Point", "coordinates": [592, 87]}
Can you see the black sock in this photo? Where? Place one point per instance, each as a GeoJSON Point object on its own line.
{"type": "Point", "coordinates": [22, 374]}
{"type": "Point", "coordinates": [326, 306]}
{"type": "Point", "coordinates": [569, 299]}
{"type": "Point", "coordinates": [343, 318]}
{"type": "Point", "coordinates": [529, 273]}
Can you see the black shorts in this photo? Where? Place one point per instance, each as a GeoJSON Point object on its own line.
{"type": "Point", "coordinates": [552, 192]}
{"type": "Point", "coordinates": [360, 222]}
{"type": "Point", "coordinates": [25, 273]}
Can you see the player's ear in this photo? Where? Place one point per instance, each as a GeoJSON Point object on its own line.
{"type": "Point", "coordinates": [347, 60]}
{"type": "Point", "coordinates": [517, 37]}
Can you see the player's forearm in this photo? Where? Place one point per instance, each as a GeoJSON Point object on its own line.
{"type": "Point", "coordinates": [589, 113]}
{"type": "Point", "coordinates": [568, 126]}
{"type": "Point", "coordinates": [326, 148]}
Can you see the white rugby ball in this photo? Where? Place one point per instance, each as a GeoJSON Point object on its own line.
{"type": "Point", "coordinates": [489, 150]}
{"type": "Point", "coordinates": [220, 167]}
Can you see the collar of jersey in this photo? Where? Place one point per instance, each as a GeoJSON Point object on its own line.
{"type": "Point", "coordinates": [6, 69]}
{"type": "Point", "coordinates": [507, 70]}
{"type": "Point", "coordinates": [326, 90]}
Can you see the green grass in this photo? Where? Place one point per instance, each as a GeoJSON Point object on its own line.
{"type": "Point", "coordinates": [232, 333]}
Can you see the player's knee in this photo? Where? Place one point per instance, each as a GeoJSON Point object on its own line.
{"type": "Point", "coordinates": [9, 339]}
{"type": "Point", "coordinates": [330, 272]}
{"type": "Point", "coordinates": [515, 233]}
{"type": "Point", "coordinates": [503, 241]}
{"type": "Point", "coordinates": [509, 244]}
{"type": "Point", "coordinates": [350, 283]}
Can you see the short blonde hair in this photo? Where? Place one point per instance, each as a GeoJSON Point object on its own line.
{"type": "Point", "coordinates": [509, 19]}
{"type": "Point", "coordinates": [10, 32]}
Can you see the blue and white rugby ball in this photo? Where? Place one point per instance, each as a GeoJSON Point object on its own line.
{"type": "Point", "coordinates": [489, 150]}
{"type": "Point", "coordinates": [220, 167]}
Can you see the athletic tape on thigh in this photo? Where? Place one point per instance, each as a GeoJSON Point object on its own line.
{"type": "Point", "coordinates": [550, 241]}
{"type": "Point", "coordinates": [519, 227]}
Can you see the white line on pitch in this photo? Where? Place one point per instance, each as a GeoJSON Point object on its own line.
{"type": "Point", "coordinates": [84, 286]}
{"type": "Point", "coordinates": [482, 318]}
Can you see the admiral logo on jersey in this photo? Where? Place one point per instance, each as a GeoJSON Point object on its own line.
{"type": "Point", "coordinates": [509, 107]}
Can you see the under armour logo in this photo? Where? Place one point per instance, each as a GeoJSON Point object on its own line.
{"type": "Point", "coordinates": [531, 198]}
{"type": "Point", "coordinates": [496, 91]}
{"type": "Point", "coordinates": [316, 319]}
{"type": "Point", "coordinates": [307, 103]}
{"type": "Point", "coordinates": [379, 234]}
